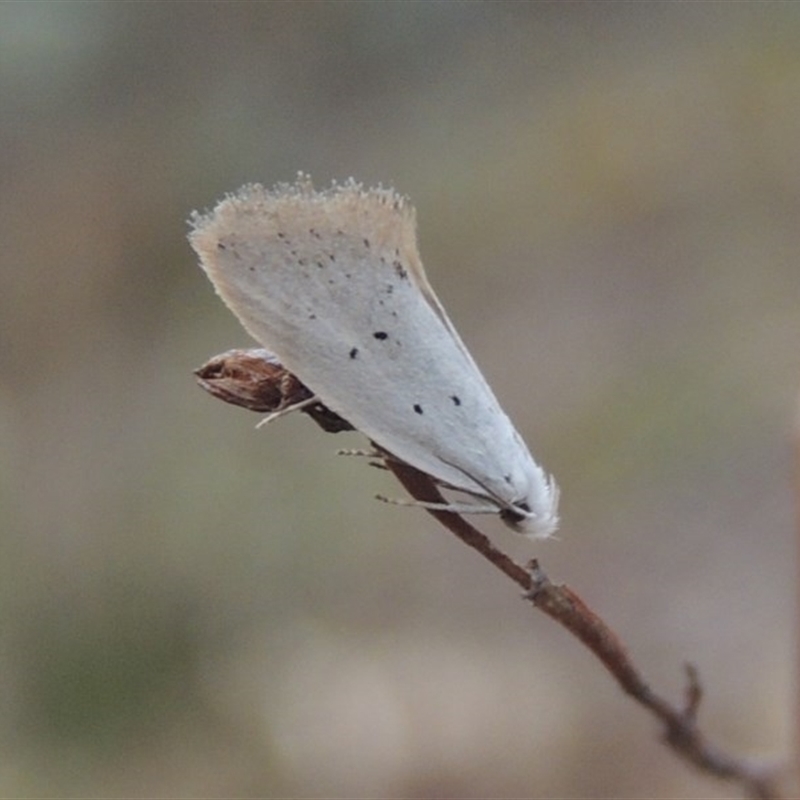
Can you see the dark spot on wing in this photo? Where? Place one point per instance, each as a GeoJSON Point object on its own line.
{"type": "Point", "coordinates": [417, 408]}
{"type": "Point", "coordinates": [401, 271]}
{"type": "Point", "coordinates": [354, 353]}
{"type": "Point", "coordinates": [381, 335]}
{"type": "Point", "coordinates": [456, 399]}
{"type": "Point", "coordinates": [366, 243]}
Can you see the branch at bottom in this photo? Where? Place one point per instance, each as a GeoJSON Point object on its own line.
{"type": "Point", "coordinates": [564, 606]}
{"type": "Point", "coordinates": [256, 380]}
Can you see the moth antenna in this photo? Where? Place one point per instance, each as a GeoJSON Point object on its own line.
{"type": "Point", "coordinates": [288, 410]}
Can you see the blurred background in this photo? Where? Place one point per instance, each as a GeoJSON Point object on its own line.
{"type": "Point", "coordinates": [608, 198]}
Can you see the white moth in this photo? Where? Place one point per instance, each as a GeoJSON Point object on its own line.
{"type": "Point", "coordinates": [332, 283]}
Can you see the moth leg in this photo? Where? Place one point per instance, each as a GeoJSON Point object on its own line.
{"type": "Point", "coordinates": [376, 454]}
{"type": "Point", "coordinates": [453, 508]}
{"type": "Point", "coordinates": [288, 409]}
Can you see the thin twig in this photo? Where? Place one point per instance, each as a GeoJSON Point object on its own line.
{"type": "Point", "coordinates": [566, 607]}
{"type": "Point", "coordinates": [680, 724]}
{"type": "Point", "coordinates": [256, 380]}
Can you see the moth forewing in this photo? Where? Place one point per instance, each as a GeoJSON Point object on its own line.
{"type": "Point", "coordinates": [332, 283]}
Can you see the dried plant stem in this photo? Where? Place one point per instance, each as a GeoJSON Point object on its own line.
{"type": "Point", "coordinates": [565, 607]}
{"type": "Point", "coordinates": [255, 380]}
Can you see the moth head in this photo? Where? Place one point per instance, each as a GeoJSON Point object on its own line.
{"type": "Point", "coordinates": [537, 515]}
